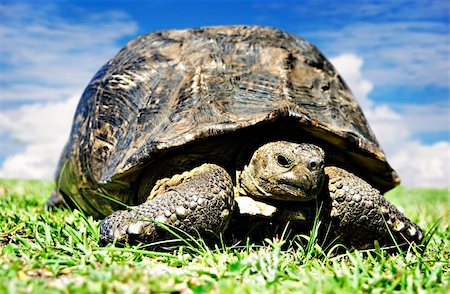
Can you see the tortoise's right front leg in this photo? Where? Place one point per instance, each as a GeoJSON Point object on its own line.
{"type": "Point", "coordinates": [199, 200]}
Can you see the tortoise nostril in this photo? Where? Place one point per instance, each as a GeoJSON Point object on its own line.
{"type": "Point", "coordinates": [314, 165]}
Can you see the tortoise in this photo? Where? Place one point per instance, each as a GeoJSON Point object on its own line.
{"type": "Point", "coordinates": [215, 129]}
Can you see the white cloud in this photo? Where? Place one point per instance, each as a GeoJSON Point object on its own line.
{"type": "Point", "coordinates": [403, 52]}
{"type": "Point", "coordinates": [423, 165]}
{"type": "Point", "coordinates": [418, 164]}
{"type": "Point", "coordinates": [427, 117]}
{"type": "Point", "coordinates": [42, 129]}
{"type": "Point", "coordinates": [47, 60]}
{"type": "Point", "coordinates": [39, 123]}
{"type": "Point", "coordinates": [37, 161]}
{"type": "Point", "coordinates": [46, 57]}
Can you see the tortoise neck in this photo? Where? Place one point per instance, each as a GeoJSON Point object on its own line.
{"type": "Point", "coordinates": [248, 184]}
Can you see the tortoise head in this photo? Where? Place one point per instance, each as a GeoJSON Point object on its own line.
{"type": "Point", "coordinates": [284, 171]}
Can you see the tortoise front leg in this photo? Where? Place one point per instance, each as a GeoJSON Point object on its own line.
{"type": "Point", "coordinates": [360, 214]}
{"type": "Point", "coordinates": [199, 200]}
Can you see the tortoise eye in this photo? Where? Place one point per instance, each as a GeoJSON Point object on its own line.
{"type": "Point", "coordinates": [283, 161]}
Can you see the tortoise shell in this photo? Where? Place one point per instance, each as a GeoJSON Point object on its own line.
{"type": "Point", "coordinates": [212, 91]}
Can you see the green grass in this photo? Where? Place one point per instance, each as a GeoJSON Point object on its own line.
{"type": "Point", "coordinates": [58, 252]}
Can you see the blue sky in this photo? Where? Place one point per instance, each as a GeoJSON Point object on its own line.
{"type": "Point", "coordinates": [393, 54]}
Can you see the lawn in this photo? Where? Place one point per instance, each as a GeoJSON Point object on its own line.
{"type": "Point", "coordinates": [58, 252]}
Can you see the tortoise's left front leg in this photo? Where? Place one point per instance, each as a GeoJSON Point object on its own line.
{"type": "Point", "coordinates": [360, 214]}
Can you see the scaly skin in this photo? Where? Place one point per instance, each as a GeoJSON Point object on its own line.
{"type": "Point", "coordinates": [200, 200]}
{"type": "Point", "coordinates": [360, 214]}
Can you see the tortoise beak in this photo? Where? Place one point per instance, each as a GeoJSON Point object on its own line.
{"type": "Point", "coordinates": [301, 184]}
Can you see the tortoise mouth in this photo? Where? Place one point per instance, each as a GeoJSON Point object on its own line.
{"type": "Point", "coordinates": [306, 189]}
{"type": "Point", "coordinates": [296, 192]}
{"type": "Point", "coordinates": [285, 203]}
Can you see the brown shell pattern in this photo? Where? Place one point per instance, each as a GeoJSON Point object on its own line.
{"type": "Point", "coordinates": [169, 88]}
